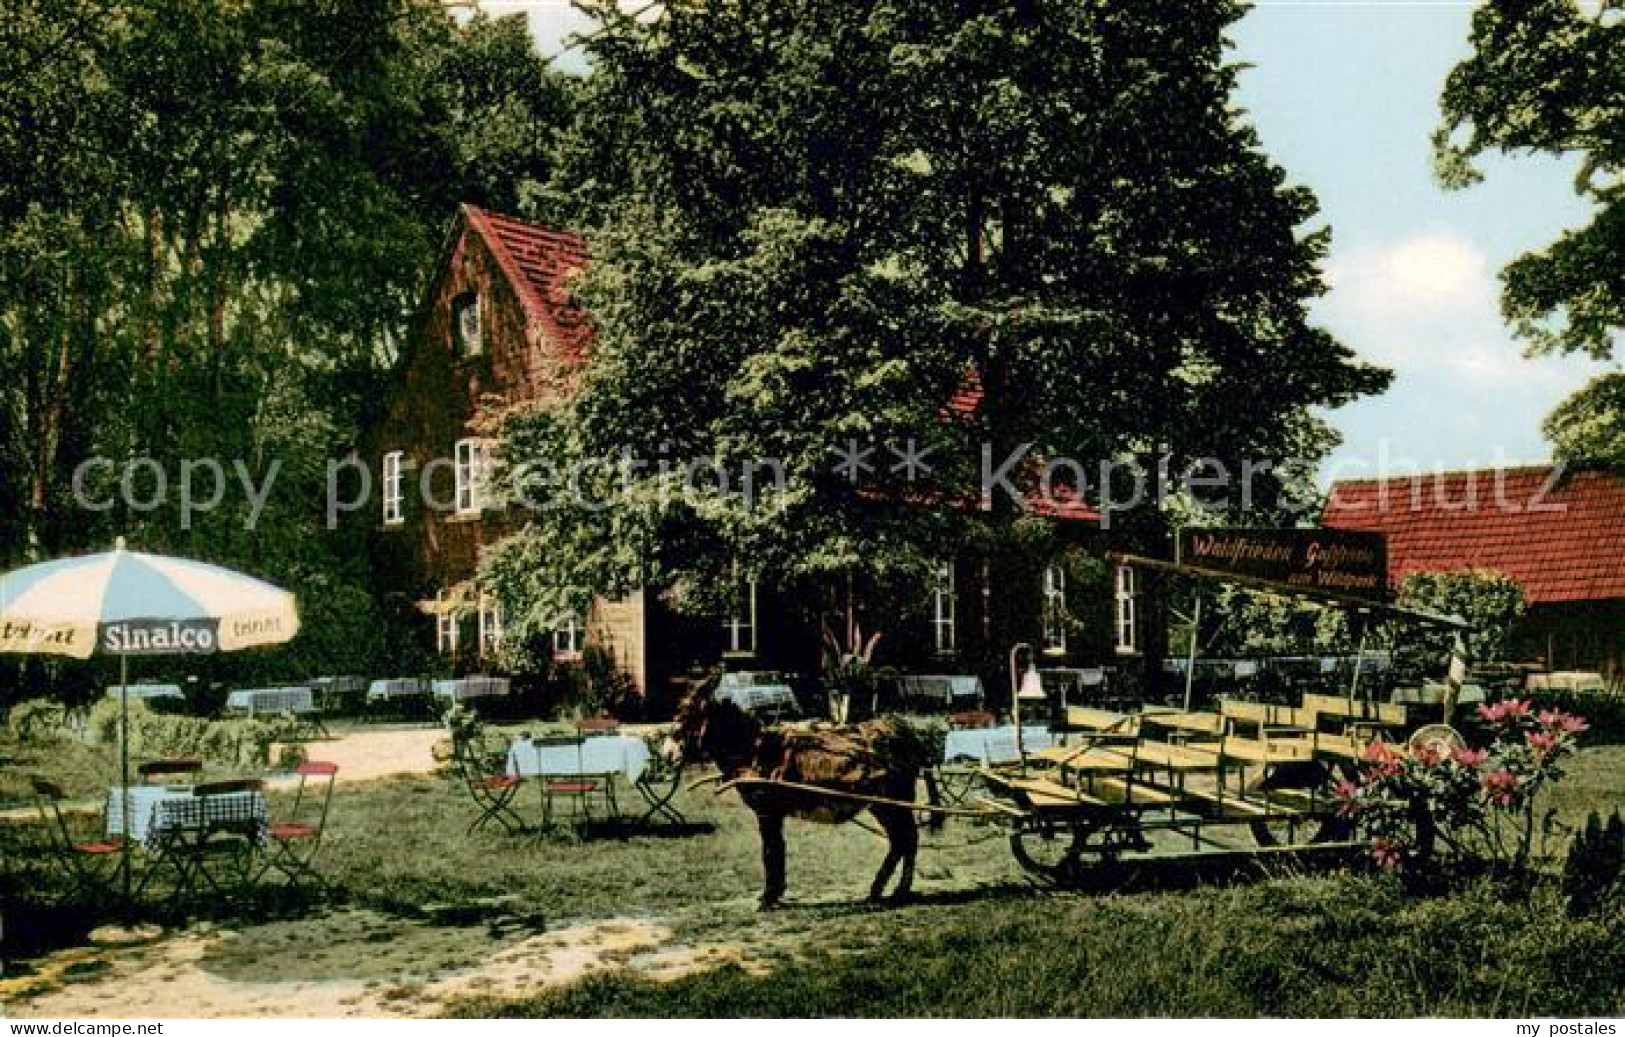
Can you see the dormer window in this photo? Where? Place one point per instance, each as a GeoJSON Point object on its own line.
{"type": "Point", "coordinates": [465, 325]}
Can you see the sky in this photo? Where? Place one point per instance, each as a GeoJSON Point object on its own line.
{"type": "Point", "coordinates": [1344, 95]}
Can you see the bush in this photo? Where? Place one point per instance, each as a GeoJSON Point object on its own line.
{"type": "Point", "coordinates": [1605, 713]}
{"type": "Point", "coordinates": [38, 721]}
{"type": "Point", "coordinates": [236, 744]}
{"type": "Point", "coordinates": [1480, 803]}
{"type": "Point", "coordinates": [1491, 603]}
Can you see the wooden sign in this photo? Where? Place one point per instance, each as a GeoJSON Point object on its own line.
{"type": "Point", "coordinates": [1332, 561]}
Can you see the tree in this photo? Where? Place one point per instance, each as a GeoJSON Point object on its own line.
{"type": "Point", "coordinates": [826, 215]}
{"type": "Point", "coordinates": [1545, 76]}
{"type": "Point", "coordinates": [216, 218]}
{"type": "Point", "coordinates": [1491, 603]}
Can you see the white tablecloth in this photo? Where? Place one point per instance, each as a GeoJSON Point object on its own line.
{"type": "Point", "coordinates": [945, 688]}
{"type": "Point", "coordinates": [397, 687]}
{"type": "Point", "coordinates": [596, 754]}
{"type": "Point", "coordinates": [993, 744]}
{"type": "Point", "coordinates": [294, 699]}
{"type": "Point", "coordinates": [147, 691]}
{"type": "Point", "coordinates": [157, 811]}
{"type": "Point", "coordinates": [471, 688]}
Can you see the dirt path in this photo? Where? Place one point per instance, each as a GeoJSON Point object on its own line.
{"type": "Point", "coordinates": [348, 964]}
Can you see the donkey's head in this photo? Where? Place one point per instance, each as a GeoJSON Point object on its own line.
{"type": "Point", "coordinates": [706, 728]}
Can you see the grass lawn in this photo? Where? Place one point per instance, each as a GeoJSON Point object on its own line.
{"type": "Point", "coordinates": [980, 941]}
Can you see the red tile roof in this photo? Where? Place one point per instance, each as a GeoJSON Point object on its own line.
{"type": "Point", "coordinates": [538, 263]}
{"type": "Point", "coordinates": [1560, 535]}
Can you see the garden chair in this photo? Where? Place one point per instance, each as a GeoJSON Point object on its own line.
{"type": "Point", "coordinates": [294, 842]}
{"type": "Point", "coordinates": [218, 842]}
{"type": "Point", "coordinates": [599, 725]}
{"type": "Point", "coordinates": [491, 788]}
{"type": "Point", "coordinates": [89, 862]}
{"type": "Point", "coordinates": [579, 788]}
{"type": "Point", "coordinates": [157, 772]}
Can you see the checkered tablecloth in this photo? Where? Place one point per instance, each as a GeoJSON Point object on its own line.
{"type": "Point", "coordinates": [146, 691]}
{"type": "Point", "coordinates": [753, 698]}
{"type": "Point", "coordinates": [596, 754]}
{"type": "Point", "coordinates": [398, 687]}
{"type": "Point", "coordinates": [295, 699]}
{"type": "Point", "coordinates": [471, 688]}
{"type": "Point", "coordinates": [945, 688]}
{"type": "Point", "coordinates": [158, 812]}
{"type": "Point", "coordinates": [993, 744]}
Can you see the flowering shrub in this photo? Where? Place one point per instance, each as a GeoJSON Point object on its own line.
{"type": "Point", "coordinates": [1476, 802]}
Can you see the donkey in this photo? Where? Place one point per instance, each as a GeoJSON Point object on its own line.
{"type": "Point", "coordinates": [881, 758]}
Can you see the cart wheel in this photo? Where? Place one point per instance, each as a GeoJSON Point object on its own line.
{"type": "Point", "coordinates": [1297, 829]}
{"type": "Point", "coordinates": [1049, 851]}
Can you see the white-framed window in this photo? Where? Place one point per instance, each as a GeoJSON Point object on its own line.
{"type": "Point", "coordinates": [446, 623]}
{"type": "Point", "coordinates": [472, 469]}
{"type": "Point", "coordinates": [1054, 639]}
{"type": "Point", "coordinates": [465, 323]}
{"type": "Point", "coordinates": [1127, 641]}
{"type": "Point", "coordinates": [393, 515]}
{"type": "Point", "coordinates": [490, 625]}
{"type": "Point", "coordinates": [569, 638]}
{"type": "Point", "coordinates": [944, 607]}
{"type": "Point", "coordinates": [739, 628]}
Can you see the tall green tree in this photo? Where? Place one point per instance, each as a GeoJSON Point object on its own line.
{"type": "Point", "coordinates": [1547, 77]}
{"type": "Point", "coordinates": [814, 220]}
{"type": "Point", "coordinates": [216, 219]}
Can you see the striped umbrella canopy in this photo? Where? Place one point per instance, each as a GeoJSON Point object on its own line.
{"type": "Point", "coordinates": [129, 603]}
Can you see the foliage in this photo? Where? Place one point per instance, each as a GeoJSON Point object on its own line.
{"type": "Point", "coordinates": [848, 670]}
{"type": "Point", "coordinates": [38, 721]}
{"type": "Point", "coordinates": [215, 223]}
{"type": "Point", "coordinates": [1591, 873]}
{"type": "Point", "coordinates": [1491, 603]}
{"type": "Point", "coordinates": [1544, 77]}
{"type": "Point", "coordinates": [609, 688]}
{"type": "Point", "coordinates": [811, 219]}
{"type": "Point", "coordinates": [1479, 802]}
{"type": "Point", "coordinates": [1589, 426]}
{"type": "Point", "coordinates": [237, 744]}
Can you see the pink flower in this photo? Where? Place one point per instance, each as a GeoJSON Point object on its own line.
{"type": "Point", "coordinates": [1427, 755]}
{"type": "Point", "coordinates": [1563, 723]}
{"type": "Point", "coordinates": [1381, 760]}
{"type": "Point", "coordinates": [1386, 853]}
{"type": "Point", "coordinates": [1501, 785]}
{"type": "Point", "coordinates": [1500, 712]}
{"type": "Point", "coordinates": [1349, 794]}
{"type": "Point", "coordinates": [1469, 757]}
{"type": "Point", "coordinates": [1542, 742]}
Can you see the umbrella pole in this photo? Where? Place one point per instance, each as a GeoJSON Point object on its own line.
{"type": "Point", "coordinates": [124, 773]}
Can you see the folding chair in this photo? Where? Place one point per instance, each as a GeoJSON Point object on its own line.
{"type": "Point", "coordinates": [599, 725]}
{"type": "Point", "coordinates": [294, 842]}
{"type": "Point", "coordinates": [492, 789]}
{"type": "Point", "coordinates": [90, 862]}
{"type": "Point", "coordinates": [222, 832]}
{"type": "Point", "coordinates": [580, 787]}
{"type": "Point", "coordinates": [162, 769]}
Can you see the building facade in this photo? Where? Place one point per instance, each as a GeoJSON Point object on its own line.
{"type": "Point", "coordinates": [500, 329]}
{"type": "Point", "coordinates": [1559, 533]}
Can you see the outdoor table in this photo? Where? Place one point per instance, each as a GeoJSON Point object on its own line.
{"type": "Point", "coordinates": [597, 756]}
{"type": "Point", "coordinates": [159, 813]}
{"type": "Point", "coordinates": [756, 692]}
{"type": "Point", "coordinates": [397, 688]}
{"type": "Point", "coordinates": [945, 688]}
{"type": "Point", "coordinates": [466, 688]}
{"type": "Point", "coordinates": [994, 744]}
{"type": "Point", "coordinates": [1434, 694]}
{"type": "Point", "coordinates": [1566, 680]}
{"type": "Point", "coordinates": [332, 693]}
{"type": "Point", "coordinates": [293, 699]}
{"type": "Point", "coordinates": [146, 691]}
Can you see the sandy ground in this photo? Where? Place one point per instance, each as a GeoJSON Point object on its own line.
{"type": "Point", "coordinates": [364, 755]}
{"type": "Point", "coordinates": [347, 965]}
